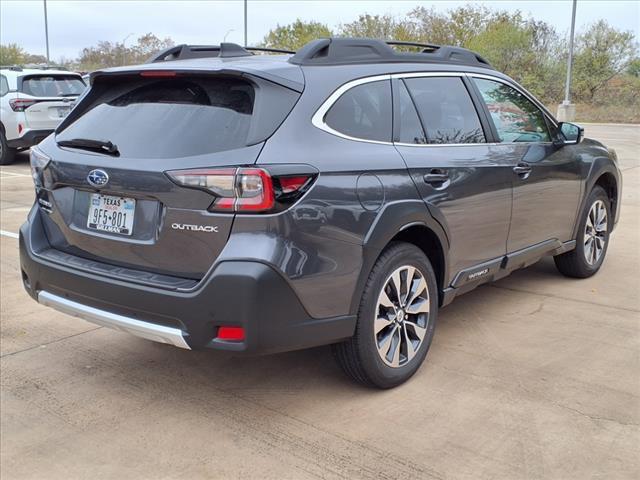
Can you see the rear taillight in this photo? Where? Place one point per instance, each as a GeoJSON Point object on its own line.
{"type": "Point", "coordinates": [39, 162]}
{"type": "Point", "coordinates": [248, 190]}
{"type": "Point", "coordinates": [21, 104]}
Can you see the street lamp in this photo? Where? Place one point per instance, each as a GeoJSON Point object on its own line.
{"type": "Point", "coordinates": [224, 39]}
{"type": "Point", "coordinates": [124, 49]}
{"type": "Point", "coordinates": [46, 30]}
{"type": "Point", "coordinates": [245, 23]}
{"type": "Point", "coordinates": [567, 110]}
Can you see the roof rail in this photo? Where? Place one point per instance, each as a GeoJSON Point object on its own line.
{"type": "Point", "coordinates": [15, 68]}
{"type": "Point", "coordinates": [340, 51]}
{"type": "Point", "coordinates": [224, 50]}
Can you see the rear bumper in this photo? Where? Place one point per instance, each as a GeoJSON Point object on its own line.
{"type": "Point", "coordinates": [29, 138]}
{"type": "Point", "coordinates": [247, 294]}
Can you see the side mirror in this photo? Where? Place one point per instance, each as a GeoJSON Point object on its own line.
{"type": "Point", "coordinates": [571, 133]}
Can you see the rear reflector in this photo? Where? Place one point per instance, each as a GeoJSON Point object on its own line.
{"type": "Point", "coordinates": [235, 334]}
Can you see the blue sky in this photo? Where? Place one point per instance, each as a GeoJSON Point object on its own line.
{"type": "Point", "coordinates": [76, 24]}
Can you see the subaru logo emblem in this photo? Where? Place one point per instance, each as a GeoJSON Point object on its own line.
{"type": "Point", "coordinates": [98, 178]}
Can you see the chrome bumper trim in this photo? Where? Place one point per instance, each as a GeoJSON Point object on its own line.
{"type": "Point", "coordinates": [139, 328]}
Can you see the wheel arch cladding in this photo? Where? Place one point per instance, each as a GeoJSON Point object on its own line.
{"type": "Point", "coordinates": [603, 173]}
{"type": "Point", "coordinates": [408, 222]}
{"type": "Point", "coordinates": [610, 185]}
{"type": "Point", "coordinates": [426, 240]}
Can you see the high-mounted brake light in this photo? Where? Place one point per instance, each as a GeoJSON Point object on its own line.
{"type": "Point", "coordinates": [158, 73]}
{"type": "Point", "coordinates": [245, 190]}
{"type": "Point", "coordinates": [21, 104]}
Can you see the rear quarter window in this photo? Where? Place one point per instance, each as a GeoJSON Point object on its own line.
{"type": "Point", "coordinates": [363, 112]}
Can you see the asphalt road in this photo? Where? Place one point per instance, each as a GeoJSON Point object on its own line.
{"type": "Point", "coordinates": [536, 376]}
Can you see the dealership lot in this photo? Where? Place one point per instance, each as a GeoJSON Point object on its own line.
{"type": "Point", "coordinates": [536, 376]}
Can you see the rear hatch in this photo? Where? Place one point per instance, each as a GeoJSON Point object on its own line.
{"type": "Point", "coordinates": [48, 98]}
{"type": "Point", "coordinates": [108, 196]}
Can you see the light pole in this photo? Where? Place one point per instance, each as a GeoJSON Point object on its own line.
{"type": "Point", "coordinates": [124, 49]}
{"type": "Point", "coordinates": [224, 39]}
{"type": "Point", "coordinates": [566, 110]}
{"type": "Point", "coordinates": [245, 23]}
{"type": "Point", "coordinates": [46, 30]}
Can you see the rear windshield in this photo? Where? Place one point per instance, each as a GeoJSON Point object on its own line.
{"type": "Point", "coordinates": [53, 85]}
{"type": "Point", "coordinates": [164, 118]}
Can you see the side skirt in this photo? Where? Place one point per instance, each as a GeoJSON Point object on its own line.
{"type": "Point", "coordinates": [470, 278]}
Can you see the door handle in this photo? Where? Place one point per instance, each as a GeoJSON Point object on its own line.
{"type": "Point", "coordinates": [436, 176]}
{"type": "Point", "coordinates": [522, 169]}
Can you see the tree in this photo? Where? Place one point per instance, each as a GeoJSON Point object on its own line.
{"type": "Point", "coordinates": [108, 54]}
{"type": "Point", "coordinates": [524, 49]}
{"type": "Point", "coordinates": [12, 54]}
{"type": "Point", "coordinates": [634, 68]}
{"type": "Point", "coordinates": [146, 46]}
{"type": "Point", "coordinates": [295, 35]}
{"type": "Point", "coordinates": [602, 52]}
{"type": "Point", "coordinates": [455, 27]}
{"type": "Point", "coordinates": [384, 27]}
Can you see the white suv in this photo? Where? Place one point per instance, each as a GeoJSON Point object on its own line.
{"type": "Point", "coordinates": [32, 104]}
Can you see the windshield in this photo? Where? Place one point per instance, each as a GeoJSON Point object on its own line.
{"type": "Point", "coordinates": [53, 85]}
{"type": "Point", "coordinates": [167, 118]}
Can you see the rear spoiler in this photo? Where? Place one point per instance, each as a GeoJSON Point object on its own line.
{"type": "Point", "coordinates": [223, 70]}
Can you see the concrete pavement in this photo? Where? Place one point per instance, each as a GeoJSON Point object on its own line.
{"type": "Point", "coordinates": [536, 376]}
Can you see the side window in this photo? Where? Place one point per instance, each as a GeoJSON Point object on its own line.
{"type": "Point", "coordinates": [4, 86]}
{"type": "Point", "coordinates": [446, 110]}
{"type": "Point", "coordinates": [516, 118]}
{"type": "Point", "coordinates": [411, 130]}
{"type": "Point", "coordinates": [363, 111]}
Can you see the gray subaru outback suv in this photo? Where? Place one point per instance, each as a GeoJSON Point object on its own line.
{"type": "Point", "coordinates": [215, 198]}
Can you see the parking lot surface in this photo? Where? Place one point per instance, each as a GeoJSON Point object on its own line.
{"type": "Point", "coordinates": [535, 376]}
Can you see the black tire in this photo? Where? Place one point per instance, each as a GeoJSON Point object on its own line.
{"type": "Point", "coordinates": [7, 153]}
{"type": "Point", "coordinates": [574, 263]}
{"type": "Point", "coordinates": [358, 356]}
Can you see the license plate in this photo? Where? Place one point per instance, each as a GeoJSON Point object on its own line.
{"type": "Point", "coordinates": [111, 214]}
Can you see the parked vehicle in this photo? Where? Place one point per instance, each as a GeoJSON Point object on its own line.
{"type": "Point", "coordinates": [341, 195]}
{"type": "Point", "coordinates": [32, 104]}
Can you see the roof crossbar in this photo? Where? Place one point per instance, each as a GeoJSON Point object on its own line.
{"type": "Point", "coordinates": [342, 51]}
{"type": "Point", "coordinates": [427, 46]}
{"type": "Point", "coordinates": [334, 51]}
{"type": "Point", "coordinates": [224, 50]}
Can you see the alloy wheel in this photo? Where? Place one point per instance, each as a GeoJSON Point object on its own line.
{"type": "Point", "coordinates": [595, 232]}
{"type": "Point", "coordinates": [402, 316]}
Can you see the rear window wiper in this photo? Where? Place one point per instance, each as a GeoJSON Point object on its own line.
{"type": "Point", "coordinates": [102, 146]}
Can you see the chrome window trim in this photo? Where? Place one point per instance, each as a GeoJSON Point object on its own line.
{"type": "Point", "coordinates": [427, 74]}
{"type": "Point", "coordinates": [318, 117]}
